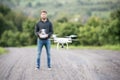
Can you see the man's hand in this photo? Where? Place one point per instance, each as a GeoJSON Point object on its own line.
{"type": "Point", "coordinates": [46, 35]}
{"type": "Point", "coordinates": [43, 36]}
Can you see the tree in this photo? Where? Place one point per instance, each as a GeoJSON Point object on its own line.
{"type": "Point", "coordinates": [5, 25]}
{"type": "Point", "coordinates": [28, 28]}
{"type": "Point", "coordinates": [114, 27]}
{"type": "Point", "coordinates": [17, 19]}
{"type": "Point", "coordinates": [4, 9]}
{"type": "Point", "coordinates": [69, 29]}
{"type": "Point", "coordinates": [94, 21]}
{"type": "Point", "coordinates": [114, 31]}
{"type": "Point", "coordinates": [10, 38]}
{"type": "Point", "coordinates": [62, 20]}
{"type": "Point", "coordinates": [115, 14]}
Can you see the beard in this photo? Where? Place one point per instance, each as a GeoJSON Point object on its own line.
{"type": "Point", "coordinates": [44, 18]}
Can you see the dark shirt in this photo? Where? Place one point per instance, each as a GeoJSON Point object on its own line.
{"type": "Point", "coordinates": [44, 25]}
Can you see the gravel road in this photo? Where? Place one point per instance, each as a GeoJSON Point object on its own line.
{"type": "Point", "coordinates": [71, 64]}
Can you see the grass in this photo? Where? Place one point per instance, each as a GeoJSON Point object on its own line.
{"type": "Point", "coordinates": [105, 47]}
{"type": "Point", "coordinates": [31, 46]}
{"type": "Point", "coordinates": [3, 50]}
{"type": "Point", "coordinates": [111, 47]}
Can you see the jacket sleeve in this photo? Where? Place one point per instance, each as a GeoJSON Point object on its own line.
{"type": "Point", "coordinates": [36, 30]}
{"type": "Point", "coordinates": [50, 30]}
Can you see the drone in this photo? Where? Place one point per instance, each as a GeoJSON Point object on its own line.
{"type": "Point", "coordinates": [63, 40]}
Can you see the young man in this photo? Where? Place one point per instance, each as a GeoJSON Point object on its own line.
{"type": "Point", "coordinates": [43, 30]}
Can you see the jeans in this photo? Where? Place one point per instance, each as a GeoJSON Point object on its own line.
{"type": "Point", "coordinates": [40, 44]}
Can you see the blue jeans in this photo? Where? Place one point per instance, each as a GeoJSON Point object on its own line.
{"type": "Point", "coordinates": [40, 44]}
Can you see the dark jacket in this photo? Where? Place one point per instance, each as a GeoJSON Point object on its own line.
{"type": "Point", "coordinates": [44, 25]}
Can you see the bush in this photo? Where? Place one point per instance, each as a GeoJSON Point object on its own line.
{"type": "Point", "coordinates": [89, 35]}
{"type": "Point", "coordinates": [10, 38]}
{"type": "Point", "coordinates": [28, 28]}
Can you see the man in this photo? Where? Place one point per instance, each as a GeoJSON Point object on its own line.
{"type": "Point", "coordinates": [43, 30]}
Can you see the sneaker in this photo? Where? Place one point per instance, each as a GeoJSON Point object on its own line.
{"type": "Point", "coordinates": [49, 69]}
{"type": "Point", "coordinates": [37, 68]}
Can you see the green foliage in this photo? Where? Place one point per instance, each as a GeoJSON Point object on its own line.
{"type": "Point", "coordinates": [5, 25]}
{"type": "Point", "coordinates": [94, 21]}
{"type": "Point", "coordinates": [28, 28]}
{"type": "Point", "coordinates": [4, 9]}
{"type": "Point", "coordinates": [27, 37]}
{"type": "Point", "coordinates": [114, 31]}
{"type": "Point", "coordinates": [115, 14]}
{"type": "Point", "coordinates": [89, 35]}
{"type": "Point", "coordinates": [69, 28]}
{"type": "Point", "coordinates": [24, 39]}
{"type": "Point", "coordinates": [96, 31]}
{"type": "Point", "coordinates": [17, 19]}
{"type": "Point", "coordinates": [17, 30]}
{"type": "Point", "coordinates": [101, 31]}
{"type": "Point", "coordinates": [10, 27]}
{"type": "Point", "coordinates": [62, 20]}
{"type": "Point", "coordinates": [114, 27]}
{"type": "Point", "coordinates": [10, 38]}
{"type": "Point", "coordinates": [66, 29]}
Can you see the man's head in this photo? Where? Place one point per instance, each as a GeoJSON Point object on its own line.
{"type": "Point", "coordinates": [43, 14]}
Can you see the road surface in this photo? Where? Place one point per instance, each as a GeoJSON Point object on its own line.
{"type": "Point", "coordinates": [71, 64]}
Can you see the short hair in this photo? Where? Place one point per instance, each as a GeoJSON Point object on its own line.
{"type": "Point", "coordinates": [43, 11]}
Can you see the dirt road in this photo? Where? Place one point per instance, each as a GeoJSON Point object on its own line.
{"type": "Point", "coordinates": [69, 64]}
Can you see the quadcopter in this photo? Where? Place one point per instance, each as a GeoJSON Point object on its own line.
{"type": "Point", "coordinates": [63, 40]}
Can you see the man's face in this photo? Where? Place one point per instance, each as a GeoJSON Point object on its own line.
{"type": "Point", "coordinates": [43, 15]}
